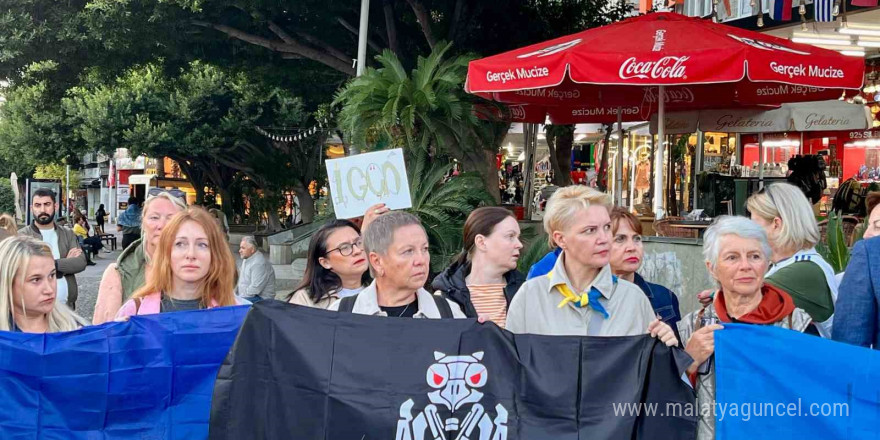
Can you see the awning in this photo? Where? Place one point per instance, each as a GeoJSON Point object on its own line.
{"type": "Point", "coordinates": [804, 116]}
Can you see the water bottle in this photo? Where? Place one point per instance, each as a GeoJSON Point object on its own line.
{"type": "Point", "coordinates": [708, 318]}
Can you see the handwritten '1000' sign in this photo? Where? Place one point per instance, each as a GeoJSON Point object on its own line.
{"type": "Point", "coordinates": [381, 180]}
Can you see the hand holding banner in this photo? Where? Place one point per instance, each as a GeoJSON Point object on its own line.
{"type": "Point", "coordinates": [358, 182]}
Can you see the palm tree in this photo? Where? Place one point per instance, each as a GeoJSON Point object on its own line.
{"type": "Point", "coordinates": [426, 109]}
{"type": "Point", "coordinates": [443, 203]}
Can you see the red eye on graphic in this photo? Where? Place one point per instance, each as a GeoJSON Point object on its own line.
{"type": "Point", "coordinates": [476, 375]}
{"type": "Point", "coordinates": [438, 375]}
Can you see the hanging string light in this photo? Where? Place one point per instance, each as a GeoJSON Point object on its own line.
{"type": "Point", "coordinates": [302, 135]}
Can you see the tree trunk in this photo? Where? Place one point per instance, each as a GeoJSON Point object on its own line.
{"type": "Point", "coordinates": [483, 163]}
{"type": "Point", "coordinates": [564, 144]}
{"type": "Point", "coordinates": [424, 18]}
{"type": "Point", "coordinates": [306, 203]}
{"type": "Point", "coordinates": [196, 177]}
{"type": "Point", "coordinates": [226, 195]}
{"type": "Point", "coordinates": [391, 26]}
{"type": "Point", "coordinates": [602, 175]}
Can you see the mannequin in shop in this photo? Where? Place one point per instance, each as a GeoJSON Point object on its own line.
{"type": "Point", "coordinates": [643, 180]}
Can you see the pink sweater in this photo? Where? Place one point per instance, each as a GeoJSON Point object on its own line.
{"type": "Point", "coordinates": [150, 304]}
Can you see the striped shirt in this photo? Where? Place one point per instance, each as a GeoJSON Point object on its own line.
{"type": "Point", "coordinates": [489, 301]}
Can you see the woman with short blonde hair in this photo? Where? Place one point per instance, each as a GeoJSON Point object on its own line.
{"type": "Point", "coordinates": [581, 296]}
{"type": "Point", "coordinates": [28, 288]}
{"type": "Point", "coordinates": [192, 268]}
{"type": "Point", "coordinates": [787, 217]}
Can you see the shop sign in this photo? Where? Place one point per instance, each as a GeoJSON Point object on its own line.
{"type": "Point", "coordinates": [358, 182]}
{"type": "Point", "coordinates": [865, 134]}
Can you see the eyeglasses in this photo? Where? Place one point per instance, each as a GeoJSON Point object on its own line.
{"type": "Point", "coordinates": [346, 249]}
{"type": "Point", "coordinates": [174, 192]}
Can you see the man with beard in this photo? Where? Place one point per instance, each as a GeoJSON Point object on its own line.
{"type": "Point", "coordinates": [61, 240]}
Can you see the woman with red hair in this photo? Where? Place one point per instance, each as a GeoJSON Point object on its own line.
{"type": "Point", "coordinates": [193, 269]}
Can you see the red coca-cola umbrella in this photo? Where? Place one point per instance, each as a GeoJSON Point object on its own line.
{"type": "Point", "coordinates": [662, 61]}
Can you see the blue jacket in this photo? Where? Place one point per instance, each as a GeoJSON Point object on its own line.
{"type": "Point", "coordinates": [856, 313]}
{"type": "Point", "coordinates": [544, 265]}
{"type": "Point", "coordinates": [664, 302]}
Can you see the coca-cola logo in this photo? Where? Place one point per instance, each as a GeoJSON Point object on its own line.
{"type": "Point", "coordinates": [675, 96]}
{"type": "Point", "coordinates": [668, 67]}
{"type": "Point", "coordinates": [517, 112]}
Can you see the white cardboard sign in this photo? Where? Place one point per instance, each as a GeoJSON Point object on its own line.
{"type": "Point", "coordinates": [358, 182]}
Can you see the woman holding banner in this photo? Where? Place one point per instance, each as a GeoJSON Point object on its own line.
{"type": "Point", "coordinates": [128, 274]}
{"type": "Point", "coordinates": [397, 248]}
{"type": "Point", "coordinates": [737, 255]}
{"type": "Point", "coordinates": [581, 296]}
{"type": "Point", "coordinates": [28, 289]}
{"type": "Point", "coordinates": [484, 278]}
{"type": "Point", "coordinates": [192, 269]}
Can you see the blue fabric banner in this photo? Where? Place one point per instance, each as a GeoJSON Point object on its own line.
{"type": "Point", "coordinates": [779, 384]}
{"type": "Point", "coordinates": [149, 378]}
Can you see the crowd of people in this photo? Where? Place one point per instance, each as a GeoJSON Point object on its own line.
{"type": "Point", "coordinates": [766, 268]}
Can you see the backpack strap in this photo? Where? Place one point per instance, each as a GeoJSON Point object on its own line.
{"type": "Point", "coordinates": [443, 307]}
{"type": "Point", "coordinates": [347, 304]}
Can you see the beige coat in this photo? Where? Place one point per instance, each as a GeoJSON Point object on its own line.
{"type": "Point", "coordinates": [301, 298]}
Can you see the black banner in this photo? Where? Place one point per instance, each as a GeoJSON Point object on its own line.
{"type": "Point", "coordinates": [300, 373]}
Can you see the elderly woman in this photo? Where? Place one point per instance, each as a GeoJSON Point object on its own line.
{"type": "Point", "coordinates": [581, 296]}
{"type": "Point", "coordinates": [787, 217]}
{"type": "Point", "coordinates": [28, 289]}
{"type": "Point", "coordinates": [737, 255]}
{"type": "Point", "coordinates": [397, 250]}
{"type": "Point", "coordinates": [120, 280]}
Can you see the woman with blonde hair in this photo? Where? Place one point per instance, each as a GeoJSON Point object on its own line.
{"type": "Point", "coordinates": [192, 269]}
{"type": "Point", "coordinates": [8, 228]}
{"type": "Point", "coordinates": [787, 217]}
{"type": "Point", "coordinates": [28, 289]}
{"type": "Point", "coordinates": [581, 296]}
{"type": "Point", "coordinates": [129, 273]}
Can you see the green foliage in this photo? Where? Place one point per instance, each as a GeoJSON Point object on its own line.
{"type": "Point", "coordinates": [33, 128]}
{"type": "Point", "coordinates": [56, 171]}
{"type": "Point", "coordinates": [426, 109]}
{"type": "Point", "coordinates": [535, 249]}
{"type": "Point", "coordinates": [443, 204]}
{"type": "Point", "coordinates": [835, 250]}
{"type": "Point", "coordinates": [7, 197]}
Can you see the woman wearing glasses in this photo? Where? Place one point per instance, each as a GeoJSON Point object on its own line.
{"type": "Point", "coordinates": [336, 267]}
{"type": "Point", "coordinates": [120, 280]}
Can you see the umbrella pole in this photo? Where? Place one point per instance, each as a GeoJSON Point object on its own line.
{"type": "Point", "coordinates": [760, 161]}
{"type": "Point", "coordinates": [658, 155]}
{"type": "Point", "coordinates": [618, 164]}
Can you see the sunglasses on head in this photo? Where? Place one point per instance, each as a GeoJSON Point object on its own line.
{"type": "Point", "coordinates": [174, 192]}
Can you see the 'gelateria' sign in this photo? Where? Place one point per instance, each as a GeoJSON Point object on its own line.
{"type": "Point", "coordinates": [358, 182]}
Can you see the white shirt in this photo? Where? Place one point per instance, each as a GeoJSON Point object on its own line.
{"type": "Point", "coordinates": [51, 238]}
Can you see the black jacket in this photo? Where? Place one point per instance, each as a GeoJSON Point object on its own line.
{"type": "Point", "coordinates": [453, 285]}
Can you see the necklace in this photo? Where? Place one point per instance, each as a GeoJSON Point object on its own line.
{"type": "Point", "coordinates": [404, 310]}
